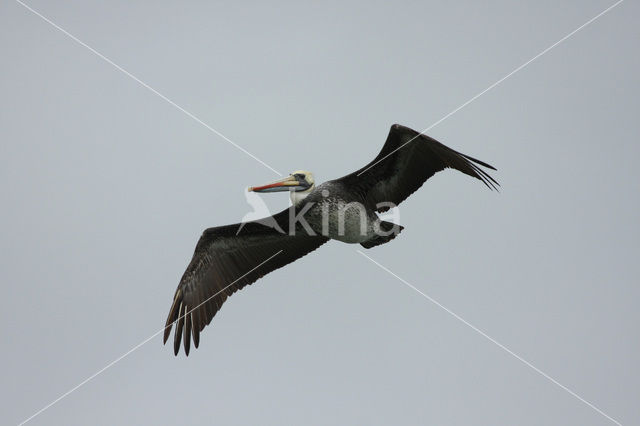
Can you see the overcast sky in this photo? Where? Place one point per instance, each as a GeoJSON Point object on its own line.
{"type": "Point", "coordinates": [106, 188]}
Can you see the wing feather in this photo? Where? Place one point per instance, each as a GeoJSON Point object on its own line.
{"type": "Point", "coordinates": [407, 159]}
{"type": "Point", "coordinates": [225, 261]}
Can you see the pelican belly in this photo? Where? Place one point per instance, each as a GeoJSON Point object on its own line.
{"type": "Point", "coordinates": [335, 218]}
{"type": "Point", "coordinates": [351, 223]}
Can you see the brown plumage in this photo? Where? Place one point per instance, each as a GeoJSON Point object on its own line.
{"type": "Point", "coordinates": [228, 258]}
{"type": "Point", "coordinates": [223, 263]}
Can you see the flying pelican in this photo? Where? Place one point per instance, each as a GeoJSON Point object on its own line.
{"type": "Point", "coordinates": [227, 258]}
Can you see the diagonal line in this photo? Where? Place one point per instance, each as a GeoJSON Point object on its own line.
{"type": "Point", "coordinates": [124, 355]}
{"type": "Point", "coordinates": [106, 59]}
{"type": "Point", "coordinates": [491, 339]}
{"type": "Point", "coordinates": [497, 82]}
{"type": "Point", "coordinates": [119, 68]}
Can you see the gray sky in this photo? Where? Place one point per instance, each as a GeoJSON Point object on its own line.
{"type": "Point", "coordinates": [106, 188]}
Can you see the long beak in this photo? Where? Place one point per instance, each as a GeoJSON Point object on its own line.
{"type": "Point", "coordinates": [280, 185]}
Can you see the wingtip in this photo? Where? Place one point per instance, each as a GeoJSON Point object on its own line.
{"type": "Point", "coordinates": [177, 337]}
{"type": "Point", "coordinates": [187, 331]}
{"type": "Point", "coordinates": [183, 317]}
{"type": "Point", "coordinates": [167, 332]}
{"type": "Point", "coordinates": [492, 184]}
{"type": "Point", "coordinates": [172, 317]}
{"type": "Point", "coordinates": [196, 335]}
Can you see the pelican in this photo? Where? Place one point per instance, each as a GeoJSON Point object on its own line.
{"type": "Point", "coordinates": [228, 258]}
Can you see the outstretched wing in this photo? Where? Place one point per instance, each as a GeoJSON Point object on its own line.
{"type": "Point", "coordinates": [408, 158]}
{"type": "Point", "coordinates": [225, 261]}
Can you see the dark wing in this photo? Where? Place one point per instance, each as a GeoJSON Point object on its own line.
{"type": "Point", "coordinates": [225, 261]}
{"type": "Point", "coordinates": [408, 158]}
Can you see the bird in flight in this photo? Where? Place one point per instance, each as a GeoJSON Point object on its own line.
{"type": "Point", "coordinates": [228, 258]}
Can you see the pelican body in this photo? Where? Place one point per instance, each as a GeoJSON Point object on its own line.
{"type": "Point", "coordinates": [227, 258]}
{"type": "Point", "coordinates": [330, 210]}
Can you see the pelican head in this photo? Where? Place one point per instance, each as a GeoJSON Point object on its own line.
{"type": "Point", "coordinates": [300, 183]}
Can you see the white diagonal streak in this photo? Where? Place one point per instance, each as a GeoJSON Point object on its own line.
{"type": "Point", "coordinates": [115, 361]}
{"type": "Point", "coordinates": [491, 339]}
{"type": "Point", "coordinates": [145, 85]}
{"type": "Point", "coordinates": [497, 82]}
